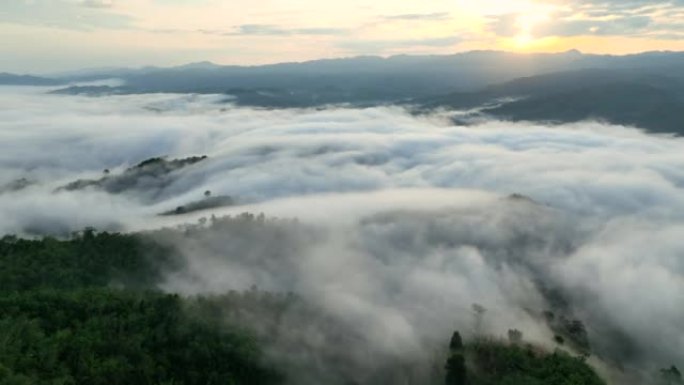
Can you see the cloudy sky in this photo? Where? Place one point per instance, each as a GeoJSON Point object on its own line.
{"type": "Point", "coordinates": [56, 35]}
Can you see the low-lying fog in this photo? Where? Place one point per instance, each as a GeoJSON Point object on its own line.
{"type": "Point", "coordinates": [415, 214]}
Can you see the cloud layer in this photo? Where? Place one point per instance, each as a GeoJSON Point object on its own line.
{"type": "Point", "coordinates": [406, 220]}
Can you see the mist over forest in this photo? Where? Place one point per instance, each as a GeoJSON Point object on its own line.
{"type": "Point", "coordinates": [303, 192]}
{"type": "Point", "coordinates": [336, 244]}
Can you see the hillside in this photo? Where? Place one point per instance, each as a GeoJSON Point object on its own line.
{"type": "Point", "coordinates": [634, 98]}
{"type": "Point", "coordinates": [87, 310]}
{"type": "Point", "coordinates": [649, 107]}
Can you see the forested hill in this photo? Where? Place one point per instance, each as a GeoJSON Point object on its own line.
{"type": "Point", "coordinates": [83, 311]}
{"type": "Point", "coordinates": [86, 310]}
{"type": "Point", "coordinates": [652, 102]}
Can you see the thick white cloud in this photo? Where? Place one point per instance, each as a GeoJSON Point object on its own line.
{"type": "Point", "coordinates": [259, 155]}
{"type": "Point", "coordinates": [411, 224]}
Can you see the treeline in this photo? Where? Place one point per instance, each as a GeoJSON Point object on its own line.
{"type": "Point", "coordinates": [88, 259]}
{"type": "Point", "coordinates": [487, 361]}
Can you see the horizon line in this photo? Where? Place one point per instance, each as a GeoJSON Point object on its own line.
{"type": "Point", "coordinates": [323, 59]}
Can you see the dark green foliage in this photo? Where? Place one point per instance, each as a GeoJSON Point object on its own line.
{"type": "Point", "coordinates": [456, 370]}
{"type": "Point", "coordinates": [515, 336]}
{"type": "Point", "coordinates": [149, 162]}
{"type": "Point", "coordinates": [490, 362]}
{"type": "Point", "coordinates": [101, 336]}
{"type": "Point", "coordinates": [154, 172]}
{"type": "Point", "coordinates": [82, 311]}
{"type": "Point", "coordinates": [161, 162]}
{"type": "Point", "coordinates": [569, 330]}
{"type": "Point", "coordinates": [456, 342]}
{"type": "Point", "coordinates": [497, 363]}
{"type": "Point", "coordinates": [63, 320]}
{"type": "Point", "coordinates": [209, 202]}
{"type": "Point", "coordinates": [671, 376]}
{"type": "Point", "coordinates": [87, 260]}
{"type": "Point", "coordinates": [456, 367]}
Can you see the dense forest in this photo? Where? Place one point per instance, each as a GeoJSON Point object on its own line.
{"type": "Point", "coordinates": [87, 310]}
{"type": "Point", "coordinates": [81, 311]}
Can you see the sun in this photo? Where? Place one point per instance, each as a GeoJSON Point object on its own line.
{"type": "Point", "coordinates": [522, 20]}
{"type": "Point", "coordinates": [526, 24]}
{"type": "Point", "coordinates": [523, 41]}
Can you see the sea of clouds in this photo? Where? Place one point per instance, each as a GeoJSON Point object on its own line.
{"type": "Point", "coordinates": [415, 216]}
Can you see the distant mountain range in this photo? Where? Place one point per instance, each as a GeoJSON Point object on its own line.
{"type": "Point", "coordinates": [632, 97]}
{"type": "Point", "coordinates": [645, 90]}
{"type": "Point", "coordinates": [28, 80]}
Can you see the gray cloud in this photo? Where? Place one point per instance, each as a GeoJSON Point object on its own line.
{"type": "Point", "coordinates": [620, 27]}
{"type": "Point", "coordinates": [625, 26]}
{"type": "Point", "coordinates": [86, 15]}
{"type": "Point", "coordinates": [602, 18]}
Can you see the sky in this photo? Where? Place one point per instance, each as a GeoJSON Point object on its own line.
{"type": "Point", "coordinates": [43, 36]}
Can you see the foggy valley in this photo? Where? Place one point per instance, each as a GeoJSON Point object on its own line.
{"type": "Point", "coordinates": [297, 192]}
{"type": "Point", "coordinates": [392, 225]}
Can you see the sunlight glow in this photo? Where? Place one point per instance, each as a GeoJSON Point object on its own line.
{"type": "Point", "coordinates": [49, 35]}
{"type": "Point", "coordinates": [526, 23]}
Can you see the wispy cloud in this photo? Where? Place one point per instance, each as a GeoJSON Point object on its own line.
{"type": "Point", "coordinates": [274, 30]}
{"type": "Point", "coordinates": [98, 3]}
{"type": "Point", "coordinates": [596, 18]}
{"type": "Point", "coordinates": [420, 16]}
{"type": "Point", "coordinates": [509, 25]}
{"type": "Point", "coordinates": [82, 15]}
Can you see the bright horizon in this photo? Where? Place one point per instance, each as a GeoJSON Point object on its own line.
{"type": "Point", "coordinates": [43, 36]}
